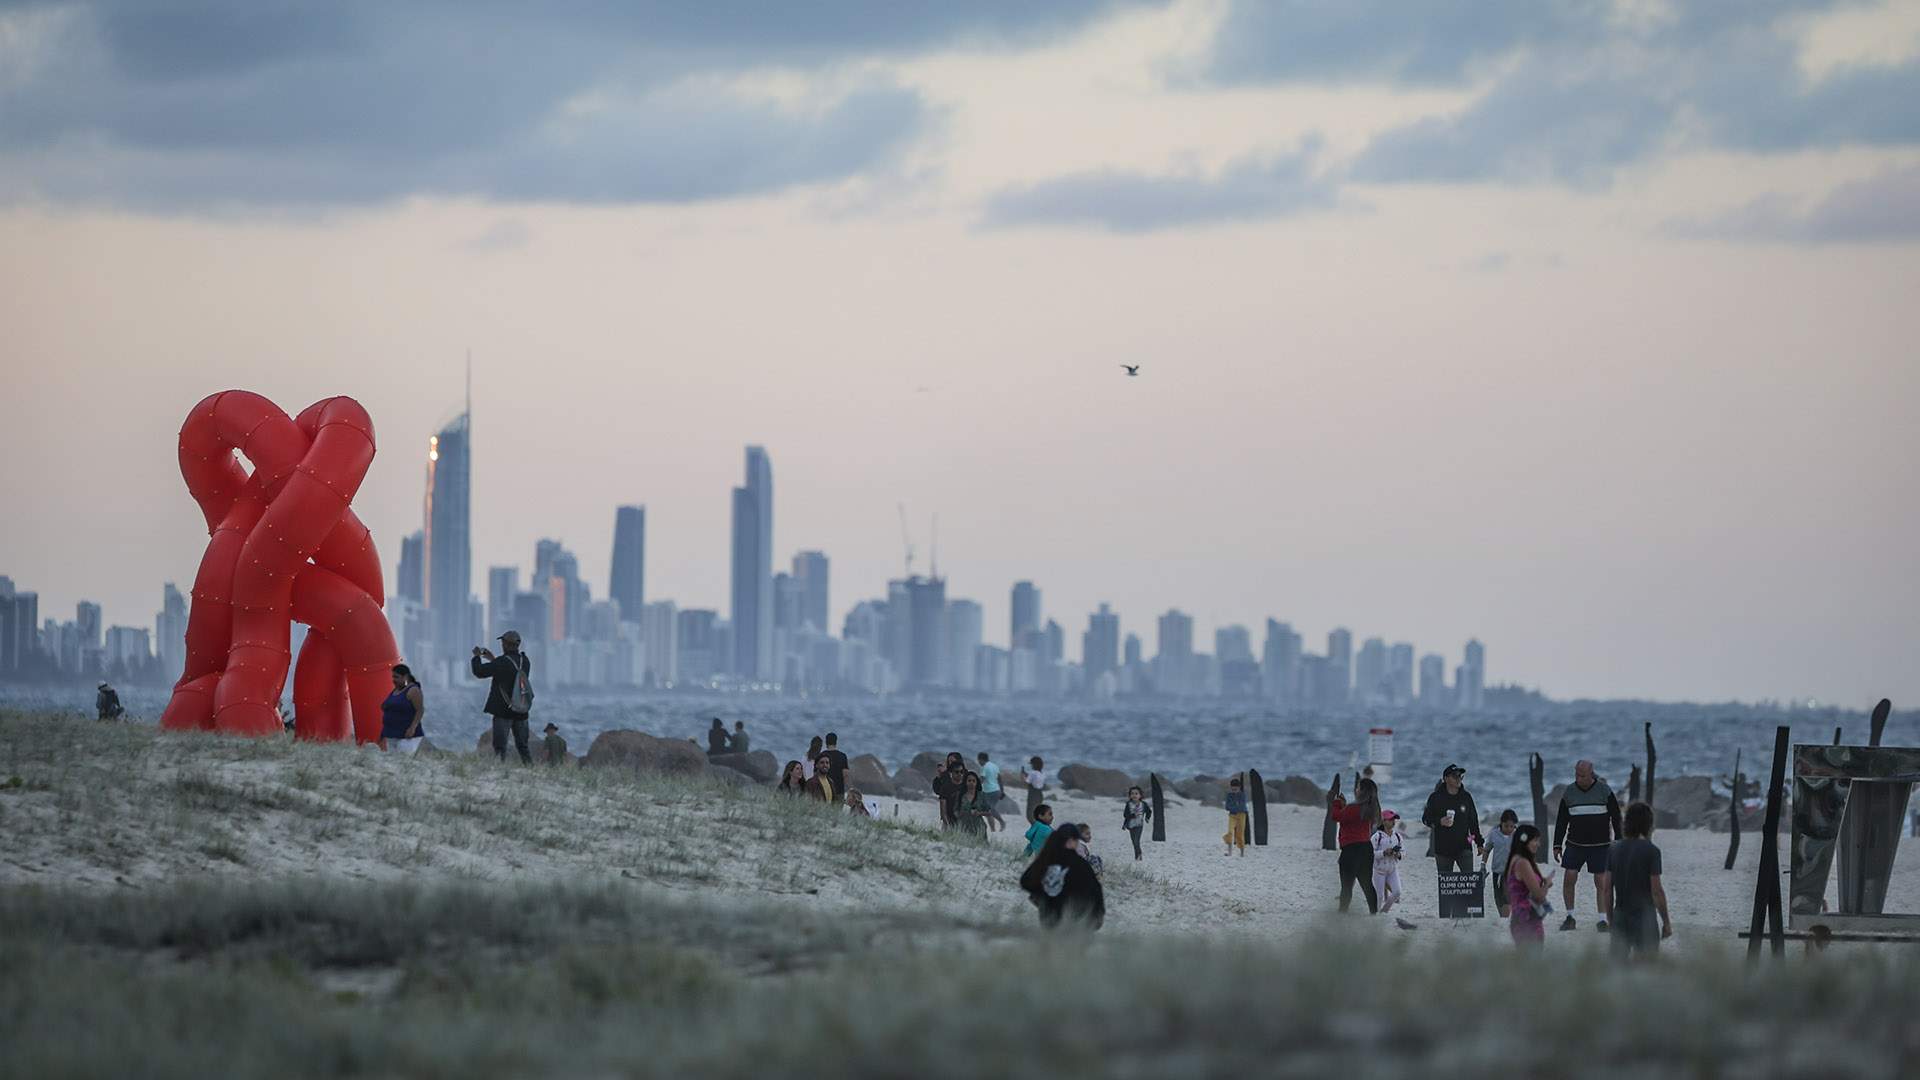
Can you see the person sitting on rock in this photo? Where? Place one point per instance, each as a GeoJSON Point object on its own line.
{"type": "Point", "coordinates": [717, 741]}
{"type": "Point", "coordinates": [741, 744]}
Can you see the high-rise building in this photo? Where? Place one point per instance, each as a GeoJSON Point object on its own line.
{"type": "Point", "coordinates": [411, 579]}
{"type": "Point", "coordinates": [627, 583]}
{"type": "Point", "coordinates": [1370, 682]}
{"type": "Point", "coordinates": [1400, 673]}
{"type": "Point", "coordinates": [1173, 664]}
{"type": "Point", "coordinates": [170, 633]}
{"type": "Point", "coordinates": [1232, 644]}
{"type": "Point", "coordinates": [1339, 673]}
{"type": "Point", "coordinates": [86, 616]}
{"type": "Point", "coordinates": [963, 644]}
{"type": "Point", "coordinates": [503, 584]}
{"type": "Point", "coordinates": [532, 617]}
{"type": "Point", "coordinates": [927, 602]}
{"type": "Point", "coordinates": [753, 570]}
{"type": "Point", "coordinates": [128, 649]}
{"type": "Point", "coordinates": [1433, 680]}
{"type": "Point", "coordinates": [1473, 681]}
{"type": "Point", "coordinates": [1280, 663]}
{"type": "Point", "coordinates": [449, 537]}
{"type": "Point", "coordinates": [660, 631]}
{"type": "Point", "coordinates": [789, 602]}
{"type": "Point", "coordinates": [1100, 646]}
{"type": "Point", "coordinates": [556, 572]}
{"type": "Point", "coordinates": [699, 646]}
{"type": "Point", "coordinates": [1133, 649]}
{"type": "Point", "coordinates": [810, 568]}
{"type": "Point", "coordinates": [1026, 614]}
{"type": "Point", "coordinates": [20, 646]}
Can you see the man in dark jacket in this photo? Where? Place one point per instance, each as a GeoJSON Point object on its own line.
{"type": "Point", "coordinates": [1455, 822]}
{"type": "Point", "coordinates": [107, 703]}
{"type": "Point", "coordinates": [839, 760]}
{"type": "Point", "coordinates": [505, 670]}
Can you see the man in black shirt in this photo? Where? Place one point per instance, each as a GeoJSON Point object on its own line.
{"type": "Point", "coordinates": [832, 754]}
{"type": "Point", "coordinates": [1638, 896]}
{"type": "Point", "coordinates": [1455, 822]}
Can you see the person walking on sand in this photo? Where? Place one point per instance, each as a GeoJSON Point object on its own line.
{"type": "Point", "coordinates": [1455, 822]}
{"type": "Point", "coordinates": [1036, 778]}
{"type": "Point", "coordinates": [793, 779]}
{"type": "Point", "coordinates": [1236, 834]}
{"type": "Point", "coordinates": [1388, 847]}
{"type": "Point", "coordinates": [1356, 821]}
{"type": "Point", "coordinates": [1134, 817]}
{"type": "Point", "coordinates": [990, 788]}
{"type": "Point", "coordinates": [1588, 822]}
{"type": "Point", "coordinates": [555, 746]}
{"type": "Point", "coordinates": [948, 777]}
{"type": "Point", "coordinates": [402, 713]}
{"type": "Point", "coordinates": [1526, 889]}
{"type": "Point", "coordinates": [511, 698]}
{"type": "Point", "coordinates": [1062, 886]}
{"type": "Point", "coordinates": [1634, 865]}
{"type": "Point", "coordinates": [971, 809]}
{"type": "Point", "coordinates": [1041, 828]}
{"type": "Point", "coordinates": [1494, 858]}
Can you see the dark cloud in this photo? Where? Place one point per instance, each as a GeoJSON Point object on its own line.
{"type": "Point", "coordinates": [1879, 209]}
{"type": "Point", "coordinates": [1129, 202]}
{"type": "Point", "coordinates": [1577, 89]}
{"type": "Point", "coordinates": [210, 103]}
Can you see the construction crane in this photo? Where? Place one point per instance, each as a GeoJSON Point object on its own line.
{"type": "Point", "coordinates": [906, 538]}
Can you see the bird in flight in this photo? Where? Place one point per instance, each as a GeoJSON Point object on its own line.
{"type": "Point", "coordinates": [1132, 369]}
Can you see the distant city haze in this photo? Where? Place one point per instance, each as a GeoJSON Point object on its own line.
{"type": "Point", "coordinates": [1644, 426]}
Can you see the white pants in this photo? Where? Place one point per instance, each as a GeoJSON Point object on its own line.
{"type": "Point", "coordinates": [1386, 886]}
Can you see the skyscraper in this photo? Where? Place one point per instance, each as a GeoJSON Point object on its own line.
{"type": "Point", "coordinates": [411, 580]}
{"type": "Point", "coordinates": [1232, 644]}
{"type": "Point", "coordinates": [1133, 649]}
{"type": "Point", "coordinates": [503, 584]}
{"type": "Point", "coordinates": [1473, 681]}
{"type": "Point", "coordinates": [449, 538]}
{"type": "Point", "coordinates": [1174, 662]}
{"type": "Point", "coordinates": [1370, 682]}
{"type": "Point", "coordinates": [1400, 672]}
{"type": "Point", "coordinates": [697, 645]}
{"type": "Point", "coordinates": [927, 599]}
{"type": "Point", "coordinates": [753, 570]}
{"type": "Point", "coordinates": [1433, 680]}
{"type": "Point", "coordinates": [810, 568]}
{"type": "Point", "coordinates": [1026, 614]}
{"type": "Point", "coordinates": [1100, 647]}
{"type": "Point", "coordinates": [170, 633]}
{"type": "Point", "coordinates": [1339, 672]}
{"type": "Point", "coordinates": [963, 644]}
{"type": "Point", "coordinates": [1280, 663]}
{"type": "Point", "coordinates": [660, 633]}
{"type": "Point", "coordinates": [626, 584]}
{"type": "Point", "coordinates": [86, 616]}
{"type": "Point", "coordinates": [789, 598]}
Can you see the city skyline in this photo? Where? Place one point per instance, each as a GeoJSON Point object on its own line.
{"type": "Point", "coordinates": [1589, 337]}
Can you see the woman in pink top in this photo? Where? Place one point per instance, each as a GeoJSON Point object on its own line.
{"type": "Point", "coordinates": [1525, 888]}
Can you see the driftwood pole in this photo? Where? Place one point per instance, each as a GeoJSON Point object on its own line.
{"type": "Point", "coordinates": [1836, 736]}
{"type": "Point", "coordinates": [1537, 777]}
{"type": "Point", "coordinates": [1766, 892]}
{"type": "Point", "coordinates": [1651, 757]}
{"type": "Point", "coordinates": [1733, 845]}
{"type": "Point", "coordinates": [1330, 830]}
{"type": "Point", "coordinates": [1879, 722]}
{"type": "Point", "coordinates": [1633, 785]}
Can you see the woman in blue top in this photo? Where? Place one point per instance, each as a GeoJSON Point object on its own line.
{"type": "Point", "coordinates": [402, 712]}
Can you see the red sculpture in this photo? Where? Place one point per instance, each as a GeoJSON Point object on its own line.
{"type": "Point", "coordinates": [285, 545]}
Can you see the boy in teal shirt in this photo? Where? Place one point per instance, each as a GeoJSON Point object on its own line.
{"type": "Point", "coordinates": [1041, 828]}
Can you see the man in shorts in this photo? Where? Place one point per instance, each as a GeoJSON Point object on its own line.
{"type": "Point", "coordinates": [991, 790]}
{"type": "Point", "coordinates": [1588, 822]}
{"type": "Point", "coordinates": [1638, 896]}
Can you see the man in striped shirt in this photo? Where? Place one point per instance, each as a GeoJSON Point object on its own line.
{"type": "Point", "coordinates": [1588, 823]}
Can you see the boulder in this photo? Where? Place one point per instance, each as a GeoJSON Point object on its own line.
{"type": "Point", "coordinates": [645, 753]}
{"type": "Point", "coordinates": [1203, 789]}
{"type": "Point", "coordinates": [908, 784]}
{"type": "Point", "coordinates": [1095, 781]}
{"type": "Point", "coordinates": [867, 776]}
{"type": "Point", "coordinates": [757, 765]}
{"type": "Point", "coordinates": [727, 774]}
{"type": "Point", "coordinates": [1296, 791]}
{"type": "Point", "coordinates": [924, 762]}
{"type": "Point", "coordinates": [1690, 800]}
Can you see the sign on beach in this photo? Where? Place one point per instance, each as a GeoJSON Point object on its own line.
{"type": "Point", "coordinates": [1462, 896]}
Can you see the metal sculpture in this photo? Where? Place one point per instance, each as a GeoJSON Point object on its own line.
{"type": "Point", "coordinates": [284, 545]}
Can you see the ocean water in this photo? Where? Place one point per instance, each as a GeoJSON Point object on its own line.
{"type": "Point", "coordinates": [1177, 739]}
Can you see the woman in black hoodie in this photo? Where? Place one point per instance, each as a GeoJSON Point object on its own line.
{"type": "Point", "coordinates": [1062, 885]}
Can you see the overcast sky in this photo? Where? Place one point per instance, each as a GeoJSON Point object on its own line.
{"type": "Point", "coordinates": [1584, 328]}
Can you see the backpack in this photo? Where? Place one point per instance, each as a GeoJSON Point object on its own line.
{"type": "Point", "coordinates": [520, 698]}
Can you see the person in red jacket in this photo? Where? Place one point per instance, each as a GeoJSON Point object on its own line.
{"type": "Point", "coordinates": [1356, 821]}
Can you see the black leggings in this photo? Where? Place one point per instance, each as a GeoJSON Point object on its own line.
{"type": "Point", "coordinates": [1356, 864]}
{"type": "Point", "coordinates": [1135, 833]}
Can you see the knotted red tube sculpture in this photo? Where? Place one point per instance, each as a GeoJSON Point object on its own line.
{"type": "Point", "coordinates": [284, 545]}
